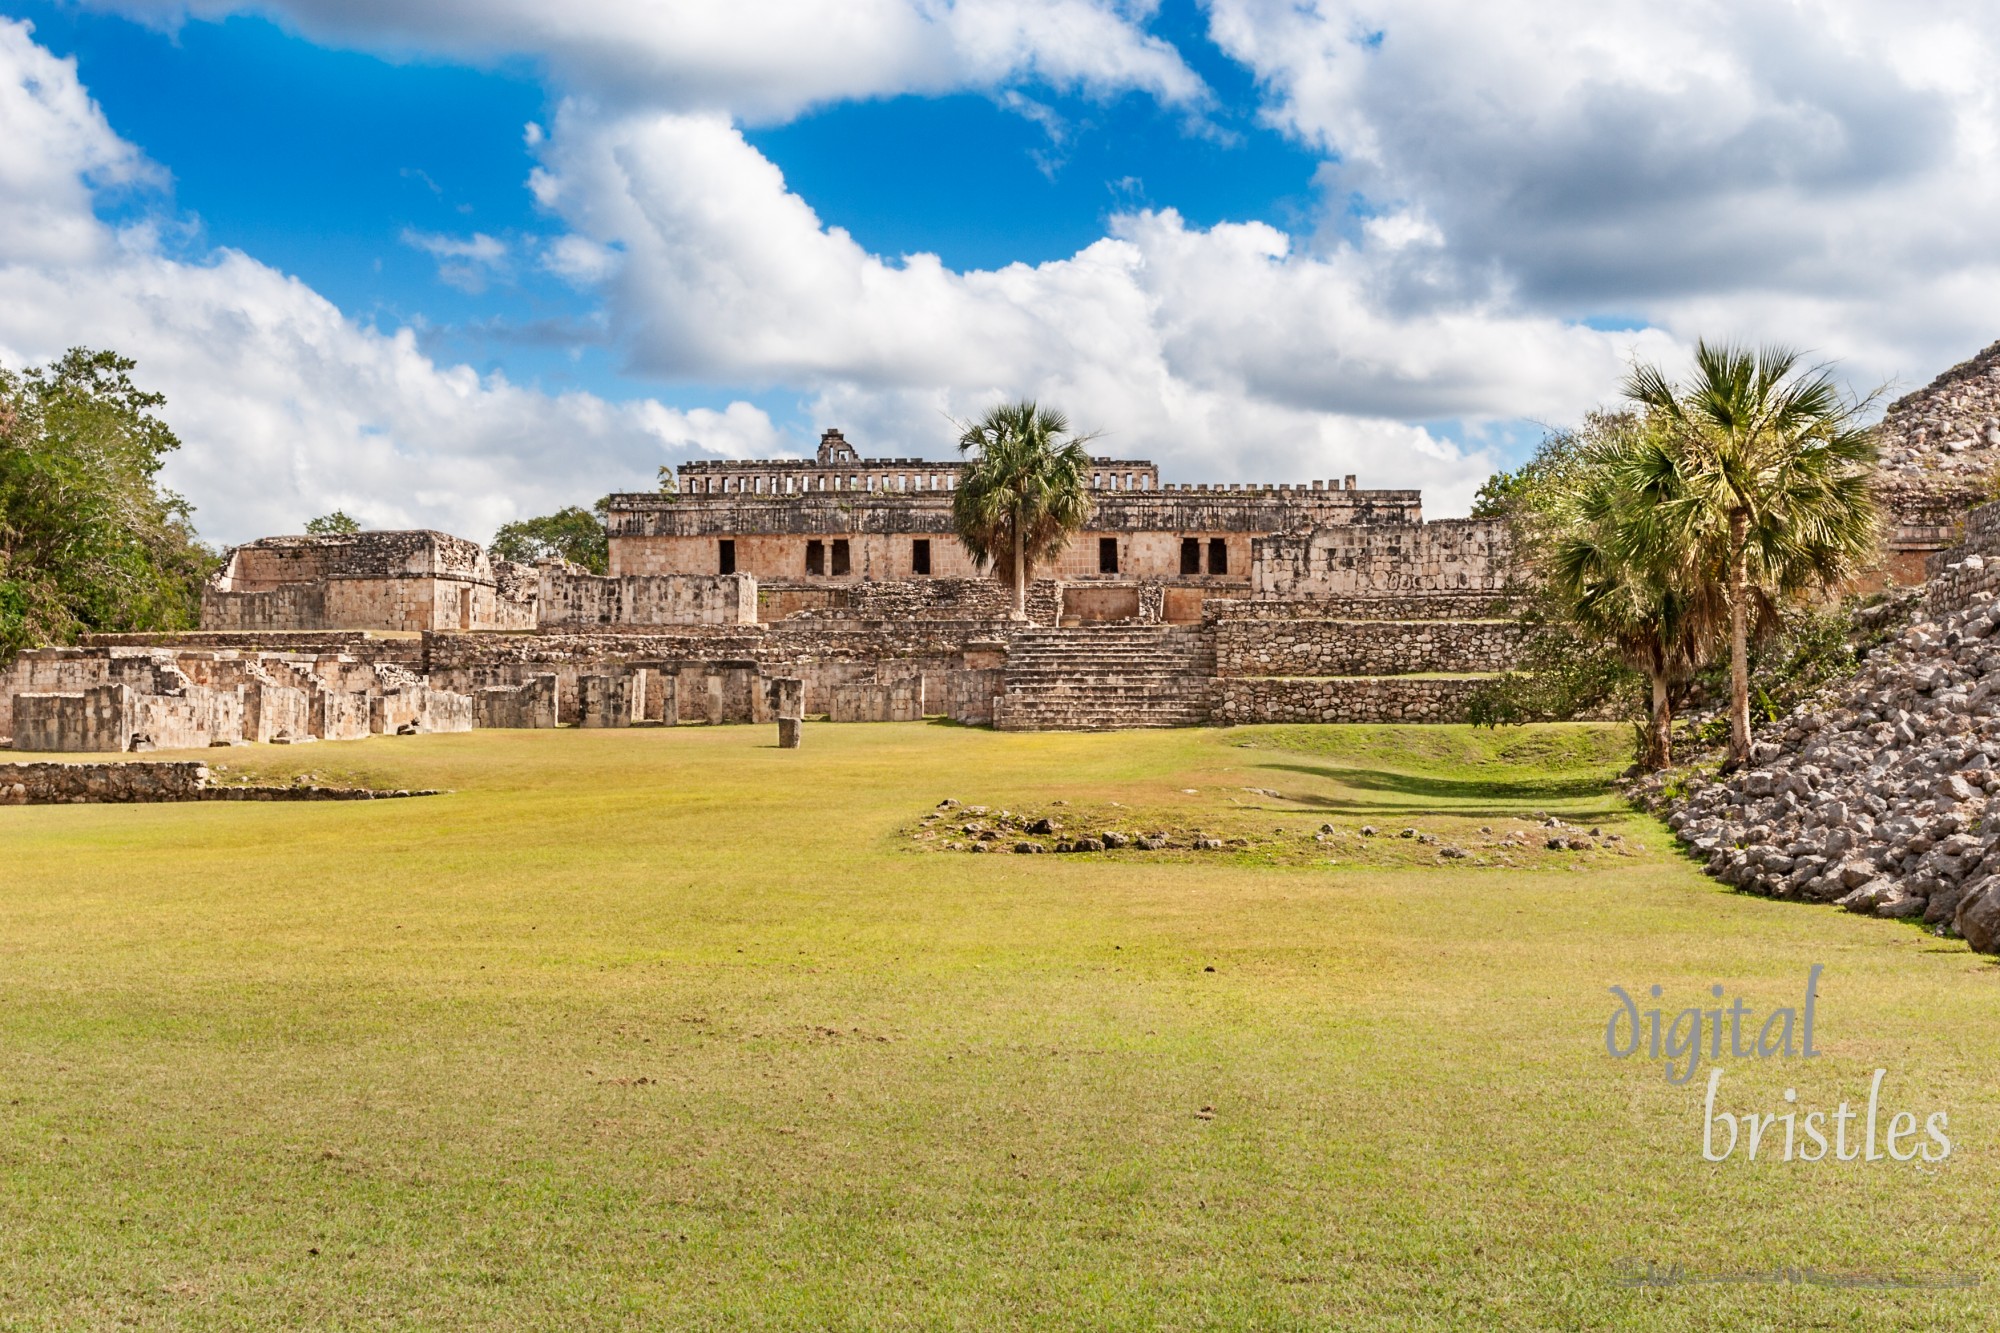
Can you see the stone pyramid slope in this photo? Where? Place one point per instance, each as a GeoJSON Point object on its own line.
{"type": "Point", "coordinates": [1950, 428]}
{"type": "Point", "coordinates": [1875, 796]}
{"type": "Point", "coordinates": [1939, 449]}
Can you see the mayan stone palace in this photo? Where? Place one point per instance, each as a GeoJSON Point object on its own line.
{"type": "Point", "coordinates": [841, 576]}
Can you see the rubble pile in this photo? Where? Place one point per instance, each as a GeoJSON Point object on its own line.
{"type": "Point", "coordinates": [1874, 796]}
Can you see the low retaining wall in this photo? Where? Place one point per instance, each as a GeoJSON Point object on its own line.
{"type": "Point", "coordinates": [1365, 647]}
{"type": "Point", "coordinates": [1241, 701]}
{"type": "Point", "coordinates": [65, 784]}
{"type": "Point", "coordinates": [151, 782]}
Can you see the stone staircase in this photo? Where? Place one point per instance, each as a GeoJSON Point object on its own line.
{"type": "Point", "coordinates": [1102, 677]}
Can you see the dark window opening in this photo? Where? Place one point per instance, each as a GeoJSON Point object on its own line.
{"type": "Point", "coordinates": [1218, 556]}
{"type": "Point", "coordinates": [840, 556]}
{"type": "Point", "coordinates": [1190, 555]}
{"type": "Point", "coordinates": [728, 561]}
{"type": "Point", "coordinates": [1107, 555]}
{"type": "Point", "coordinates": [815, 557]}
{"type": "Point", "coordinates": [920, 556]}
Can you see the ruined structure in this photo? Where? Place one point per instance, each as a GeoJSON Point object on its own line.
{"type": "Point", "coordinates": [120, 698]}
{"type": "Point", "coordinates": [1177, 605]}
{"type": "Point", "coordinates": [1940, 448]}
{"type": "Point", "coordinates": [367, 580]}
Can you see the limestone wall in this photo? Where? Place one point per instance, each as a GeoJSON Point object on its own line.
{"type": "Point", "coordinates": [1391, 606]}
{"type": "Point", "coordinates": [1236, 702]}
{"type": "Point", "coordinates": [572, 598]}
{"type": "Point", "coordinates": [413, 580]}
{"type": "Point", "coordinates": [1969, 572]}
{"type": "Point", "coordinates": [1296, 647]}
{"type": "Point", "coordinates": [1453, 555]}
{"type": "Point", "coordinates": [536, 702]}
{"type": "Point", "coordinates": [96, 718]}
{"type": "Point", "coordinates": [878, 701]}
{"type": "Point", "coordinates": [62, 784]}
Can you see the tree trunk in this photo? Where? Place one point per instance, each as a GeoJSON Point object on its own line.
{"type": "Point", "coordinates": [1660, 733]}
{"type": "Point", "coordinates": [1020, 569]}
{"type": "Point", "coordinates": [1739, 641]}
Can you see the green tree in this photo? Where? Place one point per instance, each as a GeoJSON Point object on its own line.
{"type": "Point", "coordinates": [1025, 490]}
{"type": "Point", "coordinates": [336, 524]}
{"type": "Point", "coordinates": [1759, 480]}
{"type": "Point", "coordinates": [1618, 575]}
{"type": "Point", "coordinates": [574, 534]}
{"type": "Point", "coordinates": [89, 540]}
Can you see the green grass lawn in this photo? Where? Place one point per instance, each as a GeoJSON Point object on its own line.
{"type": "Point", "coordinates": [673, 1029]}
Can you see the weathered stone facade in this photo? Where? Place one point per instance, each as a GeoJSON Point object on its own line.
{"type": "Point", "coordinates": [369, 580]}
{"type": "Point", "coordinates": [573, 598]}
{"type": "Point", "coordinates": [843, 573]}
{"type": "Point", "coordinates": [841, 517]}
{"type": "Point", "coordinates": [1321, 647]}
{"type": "Point", "coordinates": [1939, 447]}
{"type": "Point", "coordinates": [119, 699]}
{"type": "Point", "coordinates": [1455, 556]}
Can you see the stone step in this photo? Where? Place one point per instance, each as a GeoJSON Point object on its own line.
{"type": "Point", "coordinates": [1105, 677]}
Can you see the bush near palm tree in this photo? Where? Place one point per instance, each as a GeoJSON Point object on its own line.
{"type": "Point", "coordinates": [1024, 491]}
{"type": "Point", "coordinates": [1758, 478]}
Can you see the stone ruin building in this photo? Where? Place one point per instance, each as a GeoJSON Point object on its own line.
{"type": "Point", "coordinates": [1177, 605]}
{"type": "Point", "coordinates": [1940, 448]}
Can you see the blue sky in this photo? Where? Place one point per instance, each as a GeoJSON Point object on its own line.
{"type": "Point", "coordinates": [499, 256]}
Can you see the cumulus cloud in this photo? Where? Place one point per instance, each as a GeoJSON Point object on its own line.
{"type": "Point", "coordinates": [1223, 351]}
{"type": "Point", "coordinates": [759, 59]}
{"type": "Point", "coordinates": [1497, 179]}
{"type": "Point", "coordinates": [63, 152]}
{"type": "Point", "coordinates": [1821, 173]}
{"type": "Point", "coordinates": [285, 407]}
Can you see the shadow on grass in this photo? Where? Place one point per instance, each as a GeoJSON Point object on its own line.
{"type": "Point", "coordinates": [1453, 789]}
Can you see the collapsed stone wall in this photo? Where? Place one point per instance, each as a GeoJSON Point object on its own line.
{"type": "Point", "coordinates": [1879, 795]}
{"type": "Point", "coordinates": [1296, 647]}
{"type": "Point", "coordinates": [1242, 701]}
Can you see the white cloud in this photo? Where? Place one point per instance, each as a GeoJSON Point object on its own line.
{"type": "Point", "coordinates": [1821, 173]}
{"type": "Point", "coordinates": [1817, 172]}
{"type": "Point", "coordinates": [285, 407]}
{"type": "Point", "coordinates": [467, 263]}
{"type": "Point", "coordinates": [759, 59]}
{"type": "Point", "coordinates": [48, 172]}
{"type": "Point", "coordinates": [1224, 352]}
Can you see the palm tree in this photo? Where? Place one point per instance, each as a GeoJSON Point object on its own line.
{"type": "Point", "coordinates": [1616, 575]}
{"type": "Point", "coordinates": [1762, 478]}
{"type": "Point", "coordinates": [1024, 491]}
